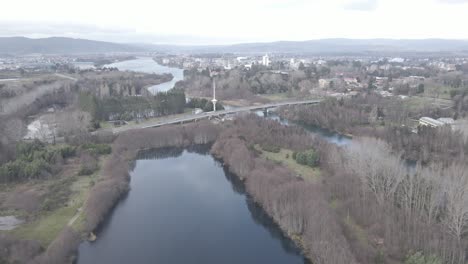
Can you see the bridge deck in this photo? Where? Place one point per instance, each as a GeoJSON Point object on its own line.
{"type": "Point", "coordinates": [194, 117]}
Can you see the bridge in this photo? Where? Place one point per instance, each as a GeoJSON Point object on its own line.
{"type": "Point", "coordinates": [208, 115]}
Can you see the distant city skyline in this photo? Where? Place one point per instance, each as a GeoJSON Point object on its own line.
{"type": "Point", "coordinates": [218, 22]}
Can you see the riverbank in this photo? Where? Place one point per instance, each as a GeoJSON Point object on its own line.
{"type": "Point", "coordinates": [298, 205]}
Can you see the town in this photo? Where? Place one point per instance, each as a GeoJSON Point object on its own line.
{"type": "Point", "coordinates": [259, 131]}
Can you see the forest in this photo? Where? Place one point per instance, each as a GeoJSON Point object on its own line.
{"type": "Point", "coordinates": [370, 207]}
{"type": "Point", "coordinates": [240, 83]}
{"type": "Point", "coordinates": [390, 119]}
{"type": "Point", "coordinates": [133, 107]}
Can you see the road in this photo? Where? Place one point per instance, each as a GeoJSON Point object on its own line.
{"type": "Point", "coordinates": [206, 115]}
{"type": "Point", "coordinates": [66, 77]}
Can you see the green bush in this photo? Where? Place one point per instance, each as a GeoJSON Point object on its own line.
{"type": "Point", "coordinates": [33, 160]}
{"type": "Point", "coordinates": [67, 151]}
{"type": "Point", "coordinates": [309, 158]}
{"type": "Point", "coordinates": [98, 149]}
{"type": "Point", "coordinates": [419, 258]}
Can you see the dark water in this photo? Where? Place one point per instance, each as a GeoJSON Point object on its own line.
{"type": "Point", "coordinates": [183, 207]}
{"type": "Point", "coordinates": [330, 136]}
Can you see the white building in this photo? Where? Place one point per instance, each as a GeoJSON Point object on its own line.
{"type": "Point", "coordinates": [266, 60]}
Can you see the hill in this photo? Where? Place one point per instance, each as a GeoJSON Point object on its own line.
{"type": "Point", "coordinates": [334, 47]}
{"type": "Point", "coordinates": [60, 45]}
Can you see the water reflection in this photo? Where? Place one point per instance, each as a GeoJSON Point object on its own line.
{"type": "Point", "coordinates": [184, 207]}
{"type": "Point", "coordinates": [260, 216]}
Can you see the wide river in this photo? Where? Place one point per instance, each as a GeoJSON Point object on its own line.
{"type": "Point", "coordinates": [148, 65]}
{"type": "Point", "coordinates": [184, 207]}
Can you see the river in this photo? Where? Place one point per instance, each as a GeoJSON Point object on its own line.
{"type": "Point", "coordinates": [184, 207]}
{"type": "Point", "coordinates": [148, 65]}
{"type": "Point", "coordinates": [330, 136]}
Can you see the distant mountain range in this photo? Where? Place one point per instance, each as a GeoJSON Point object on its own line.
{"type": "Point", "coordinates": [60, 45]}
{"type": "Point", "coordinates": [335, 46]}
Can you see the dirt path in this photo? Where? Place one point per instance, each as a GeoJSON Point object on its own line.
{"type": "Point", "coordinates": [73, 219]}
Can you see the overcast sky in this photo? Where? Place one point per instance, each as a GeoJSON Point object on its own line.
{"type": "Point", "coordinates": [234, 21]}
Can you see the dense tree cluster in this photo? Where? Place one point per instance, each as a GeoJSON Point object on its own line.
{"type": "Point", "coordinates": [240, 83]}
{"type": "Point", "coordinates": [429, 144]}
{"type": "Point", "coordinates": [375, 116]}
{"type": "Point", "coordinates": [133, 107]}
{"type": "Point", "coordinates": [257, 130]}
{"type": "Point", "coordinates": [15, 111]}
{"type": "Point", "coordinates": [33, 161]}
{"type": "Point", "coordinates": [309, 157]}
{"type": "Point", "coordinates": [117, 83]}
{"type": "Point", "coordinates": [383, 210]}
{"type": "Point", "coordinates": [405, 210]}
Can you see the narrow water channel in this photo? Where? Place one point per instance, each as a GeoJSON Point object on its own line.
{"type": "Point", "coordinates": [184, 207]}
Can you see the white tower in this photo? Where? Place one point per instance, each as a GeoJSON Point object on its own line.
{"type": "Point", "coordinates": [266, 60]}
{"type": "Point", "coordinates": [214, 95]}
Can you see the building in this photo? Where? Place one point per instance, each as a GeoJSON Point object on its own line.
{"type": "Point", "coordinates": [446, 120]}
{"type": "Point", "coordinates": [324, 83]}
{"type": "Point", "coordinates": [266, 60]}
{"type": "Point", "coordinates": [431, 122]}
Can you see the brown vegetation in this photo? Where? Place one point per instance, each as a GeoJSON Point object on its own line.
{"type": "Point", "coordinates": [62, 248]}
{"type": "Point", "coordinates": [119, 83]}
{"type": "Point", "coordinates": [298, 207]}
{"type": "Point", "coordinates": [388, 119]}
{"type": "Point", "coordinates": [401, 211]}
{"type": "Point", "coordinates": [17, 251]}
{"type": "Point", "coordinates": [370, 208]}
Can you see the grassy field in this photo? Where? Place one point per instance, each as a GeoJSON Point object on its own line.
{"type": "Point", "coordinates": [48, 224]}
{"type": "Point", "coordinates": [441, 91]}
{"type": "Point", "coordinates": [285, 157]}
{"type": "Point", "coordinates": [276, 96]}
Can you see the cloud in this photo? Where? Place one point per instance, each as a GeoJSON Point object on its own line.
{"type": "Point", "coordinates": [454, 1]}
{"type": "Point", "coordinates": [364, 5]}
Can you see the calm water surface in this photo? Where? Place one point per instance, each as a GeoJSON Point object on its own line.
{"type": "Point", "coordinates": [148, 65]}
{"type": "Point", "coordinates": [183, 207]}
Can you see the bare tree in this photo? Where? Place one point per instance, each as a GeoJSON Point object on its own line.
{"type": "Point", "coordinates": [379, 171]}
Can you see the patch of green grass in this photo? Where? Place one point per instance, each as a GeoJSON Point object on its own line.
{"type": "Point", "coordinates": [441, 91]}
{"type": "Point", "coordinates": [334, 203]}
{"type": "Point", "coordinates": [276, 96]}
{"type": "Point", "coordinates": [284, 156]}
{"type": "Point", "coordinates": [48, 224]}
{"type": "Point", "coordinates": [358, 232]}
{"type": "Point", "coordinates": [105, 125]}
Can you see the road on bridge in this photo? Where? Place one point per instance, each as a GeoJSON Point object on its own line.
{"type": "Point", "coordinates": [206, 115]}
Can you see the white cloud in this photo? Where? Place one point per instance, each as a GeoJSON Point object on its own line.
{"type": "Point", "coordinates": [221, 21]}
{"type": "Point", "coordinates": [363, 5]}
